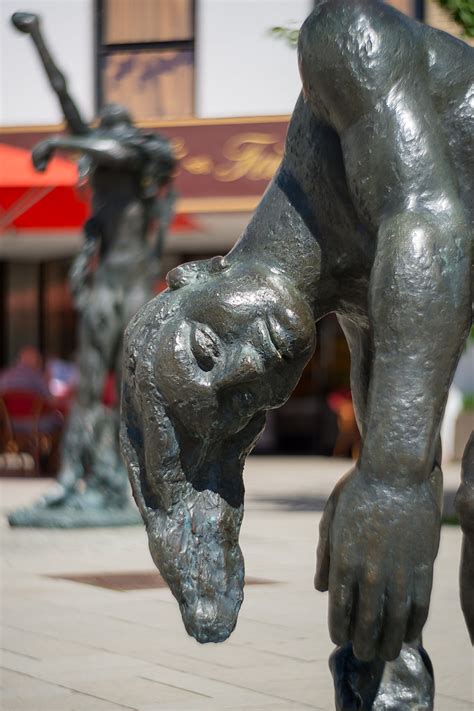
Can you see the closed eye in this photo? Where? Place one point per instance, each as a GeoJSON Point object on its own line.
{"type": "Point", "coordinates": [280, 338]}
{"type": "Point", "coordinates": [205, 347]}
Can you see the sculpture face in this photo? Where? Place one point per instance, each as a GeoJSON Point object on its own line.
{"type": "Point", "coordinates": [236, 350]}
{"type": "Point", "coordinates": [203, 365]}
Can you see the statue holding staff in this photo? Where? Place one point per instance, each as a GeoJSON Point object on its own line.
{"type": "Point", "coordinates": [130, 174]}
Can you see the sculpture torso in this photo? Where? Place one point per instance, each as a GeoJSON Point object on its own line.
{"type": "Point", "coordinates": [123, 218]}
{"type": "Point", "coordinates": [340, 229]}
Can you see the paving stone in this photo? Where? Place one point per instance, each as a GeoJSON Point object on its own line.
{"type": "Point", "coordinates": [75, 647]}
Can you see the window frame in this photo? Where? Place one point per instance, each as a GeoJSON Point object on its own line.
{"type": "Point", "coordinates": [104, 49]}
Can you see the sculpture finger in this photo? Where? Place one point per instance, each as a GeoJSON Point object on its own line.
{"type": "Point", "coordinates": [366, 619]}
{"type": "Point", "coordinates": [420, 602]}
{"type": "Point", "coordinates": [341, 589]}
{"type": "Point", "coordinates": [321, 579]}
{"type": "Point", "coordinates": [394, 625]}
{"type": "Point", "coordinates": [40, 156]}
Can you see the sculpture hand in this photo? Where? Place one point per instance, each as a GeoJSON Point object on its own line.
{"type": "Point", "coordinates": [375, 556]}
{"type": "Point", "coordinates": [42, 154]}
{"type": "Point", "coordinates": [25, 21]}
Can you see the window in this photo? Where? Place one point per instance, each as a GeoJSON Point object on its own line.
{"type": "Point", "coordinates": [36, 309]}
{"type": "Point", "coordinates": [146, 57]}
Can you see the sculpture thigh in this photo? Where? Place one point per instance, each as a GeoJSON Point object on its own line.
{"type": "Point", "coordinates": [100, 340]}
{"type": "Point", "coordinates": [99, 343]}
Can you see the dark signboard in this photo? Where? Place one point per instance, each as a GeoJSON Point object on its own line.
{"type": "Point", "coordinates": [221, 162]}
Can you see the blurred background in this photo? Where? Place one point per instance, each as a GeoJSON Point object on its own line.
{"type": "Point", "coordinates": [212, 77]}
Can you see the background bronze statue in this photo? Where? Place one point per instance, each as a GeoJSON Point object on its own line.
{"type": "Point", "coordinates": [129, 172]}
{"type": "Point", "coordinates": [370, 216]}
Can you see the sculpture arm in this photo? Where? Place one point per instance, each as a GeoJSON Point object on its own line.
{"type": "Point", "coordinates": [30, 24]}
{"type": "Point", "coordinates": [160, 156]}
{"type": "Point", "coordinates": [103, 151]}
{"type": "Point", "coordinates": [382, 523]}
{"type": "Point", "coordinates": [404, 187]}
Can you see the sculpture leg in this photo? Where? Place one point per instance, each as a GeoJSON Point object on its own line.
{"type": "Point", "coordinates": [101, 351]}
{"type": "Point", "coordinates": [109, 473]}
{"type": "Point", "coordinates": [78, 438]}
{"type": "Point", "coordinates": [92, 487]}
{"type": "Point", "coordinates": [407, 683]}
{"type": "Point", "coordinates": [465, 508]}
{"type": "Point", "coordinates": [91, 449]}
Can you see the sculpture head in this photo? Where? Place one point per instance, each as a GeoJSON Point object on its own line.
{"type": "Point", "coordinates": [204, 362]}
{"type": "Point", "coordinates": [114, 117]}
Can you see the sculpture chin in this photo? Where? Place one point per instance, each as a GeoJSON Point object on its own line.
{"type": "Point", "coordinates": [195, 546]}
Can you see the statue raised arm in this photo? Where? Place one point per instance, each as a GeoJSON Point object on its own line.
{"type": "Point", "coordinates": [129, 173]}
{"type": "Point", "coordinates": [29, 23]}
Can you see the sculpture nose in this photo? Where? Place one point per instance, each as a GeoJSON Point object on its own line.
{"type": "Point", "coordinates": [246, 365]}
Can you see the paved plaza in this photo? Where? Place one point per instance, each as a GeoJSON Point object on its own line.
{"type": "Point", "coordinates": [70, 645]}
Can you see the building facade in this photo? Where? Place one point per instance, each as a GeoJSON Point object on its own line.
{"type": "Point", "coordinates": [209, 74]}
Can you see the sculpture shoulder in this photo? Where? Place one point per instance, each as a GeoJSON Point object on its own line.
{"type": "Point", "coordinates": [451, 66]}
{"type": "Point", "coordinates": [352, 52]}
{"type": "Point", "coordinates": [157, 147]}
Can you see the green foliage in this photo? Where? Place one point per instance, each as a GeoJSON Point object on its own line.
{"type": "Point", "coordinates": [468, 401]}
{"type": "Point", "coordinates": [462, 12]}
{"type": "Point", "coordinates": [289, 34]}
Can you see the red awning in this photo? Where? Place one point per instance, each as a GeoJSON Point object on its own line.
{"type": "Point", "coordinates": [17, 171]}
{"type": "Point", "coordinates": [32, 200]}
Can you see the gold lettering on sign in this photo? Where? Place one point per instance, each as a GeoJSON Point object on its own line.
{"type": "Point", "coordinates": [178, 145]}
{"type": "Point", "coordinates": [199, 165]}
{"type": "Point", "coordinates": [254, 156]}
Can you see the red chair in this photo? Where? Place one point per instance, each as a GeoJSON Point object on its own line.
{"type": "Point", "coordinates": [28, 424]}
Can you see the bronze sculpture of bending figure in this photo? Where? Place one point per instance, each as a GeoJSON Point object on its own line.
{"type": "Point", "coordinates": [370, 216]}
{"type": "Point", "coordinates": [110, 279]}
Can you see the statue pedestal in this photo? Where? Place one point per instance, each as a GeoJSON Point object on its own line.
{"type": "Point", "coordinates": [70, 517]}
{"type": "Point", "coordinates": [87, 508]}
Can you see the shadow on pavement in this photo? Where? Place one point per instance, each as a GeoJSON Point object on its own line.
{"type": "Point", "coordinates": [317, 503]}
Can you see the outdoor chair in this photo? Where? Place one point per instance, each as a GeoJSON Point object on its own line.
{"type": "Point", "coordinates": [29, 424]}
